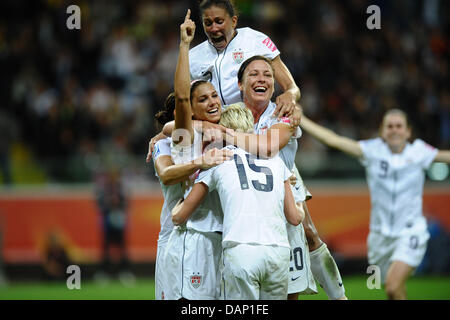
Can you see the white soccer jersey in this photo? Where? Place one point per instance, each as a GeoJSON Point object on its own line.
{"type": "Point", "coordinates": [396, 184]}
{"type": "Point", "coordinates": [171, 193]}
{"type": "Point", "coordinates": [221, 68]}
{"type": "Point", "coordinates": [184, 154]}
{"type": "Point", "coordinates": [251, 193]}
{"type": "Point", "coordinates": [209, 216]}
{"type": "Point", "coordinates": [287, 154]}
{"type": "Point", "coordinates": [266, 121]}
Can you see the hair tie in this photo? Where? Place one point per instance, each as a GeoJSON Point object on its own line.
{"type": "Point", "coordinates": [194, 81]}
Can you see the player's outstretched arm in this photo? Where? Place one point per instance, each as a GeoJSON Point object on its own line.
{"type": "Point", "coordinates": [443, 156]}
{"type": "Point", "coordinates": [294, 213]}
{"type": "Point", "coordinates": [330, 138]}
{"type": "Point", "coordinates": [182, 85]}
{"type": "Point", "coordinates": [184, 208]}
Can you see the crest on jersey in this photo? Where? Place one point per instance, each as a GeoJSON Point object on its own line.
{"type": "Point", "coordinates": [196, 280]}
{"type": "Point", "coordinates": [238, 55]}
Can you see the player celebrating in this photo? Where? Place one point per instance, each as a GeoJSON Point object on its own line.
{"type": "Point", "coordinates": [193, 250]}
{"type": "Point", "coordinates": [255, 242]}
{"type": "Point", "coordinates": [211, 60]}
{"type": "Point", "coordinates": [218, 59]}
{"type": "Point", "coordinates": [395, 174]}
{"type": "Point", "coordinates": [171, 177]}
{"type": "Point", "coordinates": [256, 82]}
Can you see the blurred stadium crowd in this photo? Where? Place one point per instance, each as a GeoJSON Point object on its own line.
{"type": "Point", "coordinates": [74, 98]}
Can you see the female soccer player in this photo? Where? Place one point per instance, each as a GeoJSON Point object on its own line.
{"type": "Point", "coordinates": [194, 249]}
{"type": "Point", "coordinates": [218, 59]}
{"type": "Point", "coordinates": [171, 177]}
{"type": "Point", "coordinates": [255, 241]}
{"type": "Point", "coordinates": [395, 174]}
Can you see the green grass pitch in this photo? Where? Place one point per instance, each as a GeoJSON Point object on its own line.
{"type": "Point", "coordinates": [420, 288]}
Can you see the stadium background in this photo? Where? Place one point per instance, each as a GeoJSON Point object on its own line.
{"type": "Point", "coordinates": [77, 104]}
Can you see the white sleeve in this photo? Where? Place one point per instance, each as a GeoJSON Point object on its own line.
{"type": "Point", "coordinates": [207, 177]}
{"type": "Point", "coordinates": [368, 148]}
{"type": "Point", "coordinates": [194, 66]}
{"type": "Point", "coordinates": [286, 172]}
{"type": "Point", "coordinates": [425, 153]}
{"type": "Point", "coordinates": [299, 195]}
{"type": "Point", "coordinates": [263, 45]}
{"type": "Point", "coordinates": [184, 154]}
{"type": "Point", "coordinates": [162, 148]}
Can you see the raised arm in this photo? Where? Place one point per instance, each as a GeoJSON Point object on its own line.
{"type": "Point", "coordinates": [294, 213]}
{"type": "Point", "coordinates": [182, 86]}
{"type": "Point", "coordinates": [185, 208]}
{"type": "Point", "coordinates": [330, 138]}
{"type": "Point", "coordinates": [443, 156]}
{"type": "Point", "coordinates": [291, 93]}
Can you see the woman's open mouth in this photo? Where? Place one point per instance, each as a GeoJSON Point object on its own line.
{"type": "Point", "coordinates": [218, 40]}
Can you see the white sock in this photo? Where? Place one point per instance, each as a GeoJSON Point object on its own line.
{"type": "Point", "coordinates": [326, 272]}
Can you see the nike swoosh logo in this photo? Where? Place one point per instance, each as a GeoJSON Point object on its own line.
{"type": "Point", "coordinates": [296, 188]}
{"type": "Point", "coordinates": [293, 279]}
{"type": "Point", "coordinates": [340, 284]}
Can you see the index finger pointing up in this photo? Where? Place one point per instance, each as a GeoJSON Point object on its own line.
{"type": "Point", "coordinates": [188, 15]}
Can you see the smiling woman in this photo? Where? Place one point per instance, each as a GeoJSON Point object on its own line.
{"type": "Point", "coordinates": [198, 99]}
{"type": "Point", "coordinates": [256, 82]}
{"type": "Point", "coordinates": [395, 174]}
{"type": "Point", "coordinates": [191, 262]}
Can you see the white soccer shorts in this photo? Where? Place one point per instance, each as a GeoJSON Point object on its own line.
{"type": "Point", "coordinates": [409, 247]}
{"type": "Point", "coordinates": [191, 265]}
{"type": "Point", "coordinates": [255, 272]}
{"type": "Point", "coordinates": [301, 279]}
{"type": "Point", "coordinates": [160, 281]}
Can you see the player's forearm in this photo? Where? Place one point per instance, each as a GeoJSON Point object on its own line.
{"type": "Point", "coordinates": [331, 139]}
{"type": "Point", "coordinates": [285, 79]}
{"type": "Point", "coordinates": [182, 82]}
{"type": "Point", "coordinates": [179, 172]}
{"type": "Point", "coordinates": [182, 88]}
{"type": "Point", "coordinates": [179, 213]}
{"type": "Point", "coordinates": [294, 213]}
{"type": "Point", "coordinates": [443, 156]}
{"type": "Point", "coordinates": [263, 145]}
{"type": "Point", "coordinates": [322, 134]}
{"type": "Point", "coordinates": [258, 145]}
{"type": "Point", "coordinates": [185, 208]}
{"type": "Point", "coordinates": [293, 90]}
